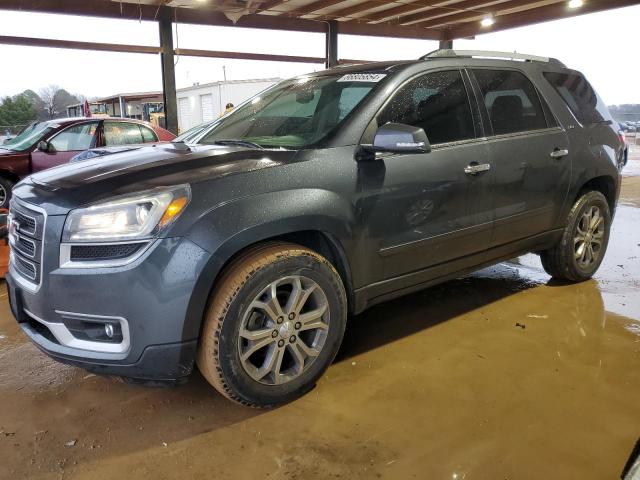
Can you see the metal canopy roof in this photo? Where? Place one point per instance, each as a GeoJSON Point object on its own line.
{"type": "Point", "coordinates": [425, 19]}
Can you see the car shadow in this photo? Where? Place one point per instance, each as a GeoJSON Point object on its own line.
{"type": "Point", "coordinates": [396, 319]}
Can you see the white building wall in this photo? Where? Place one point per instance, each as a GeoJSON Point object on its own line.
{"type": "Point", "coordinates": [235, 91]}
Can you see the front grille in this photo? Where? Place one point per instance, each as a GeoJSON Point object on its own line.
{"type": "Point", "coordinates": [26, 268]}
{"type": "Point", "coordinates": [24, 245]}
{"type": "Point", "coordinates": [25, 240]}
{"type": "Point", "coordinates": [27, 223]}
{"type": "Point", "coordinates": [103, 252]}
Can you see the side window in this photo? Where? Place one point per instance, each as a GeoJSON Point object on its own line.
{"type": "Point", "coordinates": [512, 101]}
{"type": "Point", "coordinates": [349, 98]}
{"type": "Point", "coordinates": [582, 99]}
{"type": "Point", "coordinates": [76, 137]}
{"type": "Point", "coordinates": [148, 135]}
{"type": "Point", "coordinates": [121, 133]}
{"type": "Point", "coordinates": [436, 102]}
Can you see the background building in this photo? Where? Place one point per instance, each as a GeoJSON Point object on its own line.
{"type": "Point", "coordinates": [202, 103]}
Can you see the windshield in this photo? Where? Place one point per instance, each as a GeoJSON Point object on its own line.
{"type": "Point", "coordinates": [296, 113]}
{"type": "Point", "coordinates": [29, 137]}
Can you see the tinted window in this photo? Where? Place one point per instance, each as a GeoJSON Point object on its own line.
{"type": "Point", "coordinates": [582, 99]}
{"type": "Point", "coordinates": [148, 135]}
{"type": "Point", "coordinates": [77, 137]}
{"type": "Point", "coordinates": [121, 133]}
{"type": "Point", "coordinates": [511, 100]}
{"type": "Point", "coordinates": [436, 102]}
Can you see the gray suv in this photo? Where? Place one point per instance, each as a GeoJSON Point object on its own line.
{"type": "Point", "coordinates": [245, 248]}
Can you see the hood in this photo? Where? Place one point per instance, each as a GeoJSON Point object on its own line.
{"type": "Point", "coordinates": [78, 183]}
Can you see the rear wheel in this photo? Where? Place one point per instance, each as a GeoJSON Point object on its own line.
{"type": "Point", "coordinates": [580, 251]}
{"type": "Point", "coordinates": [275, 323]}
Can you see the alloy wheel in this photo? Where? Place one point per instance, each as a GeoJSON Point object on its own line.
{"type": "Point", "coordinates": [283, 330]}
{"type": "Point", "coordinates": [589, 237]}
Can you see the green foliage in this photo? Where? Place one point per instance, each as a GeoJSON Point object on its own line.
{"type": "Point", "coordinates": [16, 111]}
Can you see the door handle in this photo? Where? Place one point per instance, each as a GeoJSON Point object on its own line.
{"type": "Point", "coordinates": [559, 153]}
{"type": "Point", "coordinates": [475, 168]}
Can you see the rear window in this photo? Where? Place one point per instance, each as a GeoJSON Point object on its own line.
{"type": "Point", "coordinates": [581, 98]}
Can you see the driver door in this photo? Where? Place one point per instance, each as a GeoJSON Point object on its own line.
{"type": "Point", "coordinates": [66, 144]}
{"type": "Point", "coordinates": [431, 208]}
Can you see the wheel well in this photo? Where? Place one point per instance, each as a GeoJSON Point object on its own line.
{"type": "Point", "coordinates": [605, 185]}
{"type": "Point", "coordinates": [9, 176]}
{"type": "Point", "coordinates": [320, 242]}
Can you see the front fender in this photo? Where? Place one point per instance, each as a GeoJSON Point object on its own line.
{"type": "Point", "coordinates": [229, 227]}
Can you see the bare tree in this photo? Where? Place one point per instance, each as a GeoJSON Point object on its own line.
{"type": "Point", "coordinates": [48, 96]}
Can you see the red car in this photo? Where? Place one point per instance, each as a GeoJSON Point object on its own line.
{"type": "Point", "coordinates": [54, 142]}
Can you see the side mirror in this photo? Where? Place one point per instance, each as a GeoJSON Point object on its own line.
{"type": "Point", "coordinates": [401, 138]}
{"type": "Point", "coordinates": [45, 146]}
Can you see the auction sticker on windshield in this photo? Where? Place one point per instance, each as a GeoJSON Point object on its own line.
{"type": "Point", "coordinates": [363, 77]}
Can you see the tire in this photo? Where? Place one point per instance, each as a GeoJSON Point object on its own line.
{"type": "Point", "coordinates": [243, 315]}
{"type": "Point", "coordinates": [6, 186]}
{"type": "Point", "coordinates": [567, 260]}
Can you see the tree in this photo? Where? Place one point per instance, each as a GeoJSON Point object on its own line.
{"type": "Point", "coordinates": [56, 100]}
{"type": "Point", "coordinates": [48, 97]}
{"type": "Point", "coordinates": [38, 104]}
{"type": "Point", "coordinates": [16, 112]}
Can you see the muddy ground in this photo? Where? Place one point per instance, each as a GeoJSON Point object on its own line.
{"type": "Point", "coordinates": [499, 375]}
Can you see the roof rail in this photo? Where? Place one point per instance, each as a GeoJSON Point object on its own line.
{"type": "Point", "coordinates": [448, 53]}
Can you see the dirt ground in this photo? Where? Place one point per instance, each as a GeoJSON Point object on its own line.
{"type": "Point", "coordinates": [499, 375]}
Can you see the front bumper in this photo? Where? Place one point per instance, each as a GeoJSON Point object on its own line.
{"type": "Point", "coordinates": [151, 298]}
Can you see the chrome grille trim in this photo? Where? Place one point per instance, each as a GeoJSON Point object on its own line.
{"type": "Point", "coordinates": [23, 209]}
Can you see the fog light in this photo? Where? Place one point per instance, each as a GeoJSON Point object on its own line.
{"type": "Point", "coordinates": [108, 330]}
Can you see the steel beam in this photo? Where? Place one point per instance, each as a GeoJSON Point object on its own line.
{"type": "Point", "coordinates": [169, 92]}
{"type": "Point", "coordinates": [331, 44]}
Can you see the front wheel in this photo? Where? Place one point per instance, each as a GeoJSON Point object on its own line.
{"type": "Point", "coordinates": [275, 322]}
{"type": "Point", "coordinates": [6, 186]}
{"type": "Point", "coordinates": [580, 251]}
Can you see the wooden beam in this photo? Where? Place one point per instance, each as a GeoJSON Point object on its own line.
{"type": "Point", "coordinates": [108, 9]}
{"type": "Point", "coordinates": [394, 15]}
{"type": "Point", "coordinates": [312, 7]}
{"type": "Point", "coordinates": [76, 45]}
{"type": "Point", "coordinates": [428, 22]}
{"type": "Point", "coordinates": [270, 5]}
{"type": "Point", "coordinates": [353, 10]}
{"type": "Point", "coordinates": [539, 15]}
{"type": "Point", "coordinates": [268, 57]}
{"type": "Point", "coordinates": [187, 52]}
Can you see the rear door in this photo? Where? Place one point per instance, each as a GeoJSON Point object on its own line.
{"type": "Point", "coordinates": [66, 144]}
{"type": "Point", "coordinates": [529, 154]}
{"type": "Point", "coordinates": [121, 133]}
{"type": "Point", "coordinates": [426, 209]}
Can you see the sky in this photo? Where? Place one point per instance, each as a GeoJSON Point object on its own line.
{"type": "Point", "coordinates": [599, 45]}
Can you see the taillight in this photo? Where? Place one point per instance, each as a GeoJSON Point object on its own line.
{"type": "Point", "coordinates": [623, 139]}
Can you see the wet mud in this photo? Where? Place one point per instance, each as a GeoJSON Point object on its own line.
{"type": "Point", "coordinates": [503, 374]}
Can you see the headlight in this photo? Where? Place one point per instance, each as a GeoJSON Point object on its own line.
{"type": "Point", "coordinates": [133, 217]}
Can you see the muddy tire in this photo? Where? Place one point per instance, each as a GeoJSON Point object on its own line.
{"type": "Point", "coordinates": [274, 324]}
{"type": "Point", "coordinates": [6, 186]}
{"type": "Point", "coordinates": [580, 251]}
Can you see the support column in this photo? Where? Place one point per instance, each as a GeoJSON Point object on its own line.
{"type": "Point", "coordinates": [446, 44]}
{"type": "Point", "coordinates": [331, 57]}
{"type": "Point", "coordinates": [168, 71]}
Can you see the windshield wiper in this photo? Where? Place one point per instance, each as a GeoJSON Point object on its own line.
{"type": "Point", "coordinates": [241, 143]}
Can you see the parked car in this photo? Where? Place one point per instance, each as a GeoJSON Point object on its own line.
{"type": "Point", "coordinates": [245, 249]}
{"type": "Point", "coordinates": [47, 144]}
{"type": "Point", "coordinates": [189, 136]}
